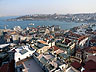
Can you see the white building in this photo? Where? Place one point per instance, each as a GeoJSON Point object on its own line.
{"type": "Point", "coordinates": [23, 52]}
{"type": "Point", "coordinates": [83, 41]}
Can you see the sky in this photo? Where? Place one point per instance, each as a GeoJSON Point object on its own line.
{"type": "Point", "coordinates": [26, 7]}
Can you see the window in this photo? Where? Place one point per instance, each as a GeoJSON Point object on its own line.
{"type": "Point", "coordinates": [18, 58]}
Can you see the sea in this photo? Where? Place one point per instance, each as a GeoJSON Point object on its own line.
{"type": "Point", "coordinates": [23, 24]}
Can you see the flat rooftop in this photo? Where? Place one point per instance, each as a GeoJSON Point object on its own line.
{"type": "Point", "coordinates": [32, 66]}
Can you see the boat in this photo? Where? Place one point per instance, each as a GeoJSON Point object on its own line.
{"type": "Point", "coordinates": [31, 24]}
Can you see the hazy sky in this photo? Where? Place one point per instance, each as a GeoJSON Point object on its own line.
{"type": "Point", "coordinates": [23, 7]}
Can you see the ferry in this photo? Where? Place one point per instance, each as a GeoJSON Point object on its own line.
{"type": "Point", "coordinates": [31, 24]}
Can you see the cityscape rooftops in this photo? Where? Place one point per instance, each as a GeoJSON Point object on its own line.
{"type": "Point", "coordinates": [52, 50]}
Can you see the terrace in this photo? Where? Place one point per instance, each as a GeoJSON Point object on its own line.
{"type": "Point", "coordinates": [23, 52]}
{"type": "Point", "coordinates": [32, 66]}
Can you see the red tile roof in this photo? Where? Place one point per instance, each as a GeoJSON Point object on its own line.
{"type": "Point", "coordinates": [74, 34]}
{"type": "Point", "coordinates": [51, 36]}
{"type": "Point", "coordinates": [89, 71]}
{"type": "Point", "coordinates": [91, 49]}
{"type": "Point", "coordinates": [76, 64]}
{"type": "Point", "coordinates": [67, 41]}
{"type": "Point", "coordinates": [42, 41]}
{"type": "Point", "coordinates": [47, 39]}
{"type": "Point", "coordinates": [8, 67]}
{"type": "Point", "coordinates": [12, 66]}
{"type": "Point", "coordinates": [90, 66]}
{"type": "Point", "coordinates": [81, 38]}
{"type": "Point", "coordinates": [55, 48]}
{"type": "Point", "coordinates": [4, 68]}
{"type": "Point", "coordinates": [78, 51]}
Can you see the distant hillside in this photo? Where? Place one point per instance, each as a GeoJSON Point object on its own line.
{"type": "Point", "coordinates": [84, 17]}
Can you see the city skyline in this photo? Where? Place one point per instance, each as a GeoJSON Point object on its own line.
{"type": "Point", "coordinates": [23, 7]}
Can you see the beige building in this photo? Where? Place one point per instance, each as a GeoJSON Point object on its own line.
{"type": "Point", "coordinates": [41, 46]}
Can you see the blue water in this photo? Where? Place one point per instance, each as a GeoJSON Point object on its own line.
{"type": "Point", "coordinates": [64, 25]}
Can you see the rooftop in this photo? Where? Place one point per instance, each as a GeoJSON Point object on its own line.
{"type": "Point", "coordinates": [91, 49]}
{"type": "Point", "coordinates": [43, 60]}
{"type": "Point", "coordinates": [76, 64]}
{"type": "Point", "coordinates": [32, 66]}
{"type": "Point", "coordinates": [81, 38]}
{"type": "Point", "coordinates": [43, 42]}
{"type": "Point", "coordinates": [55, 48]}
{"type": "Point", "coordinates": [4, 45]}
{"type": "Point", "coordinates": [90, 66]}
